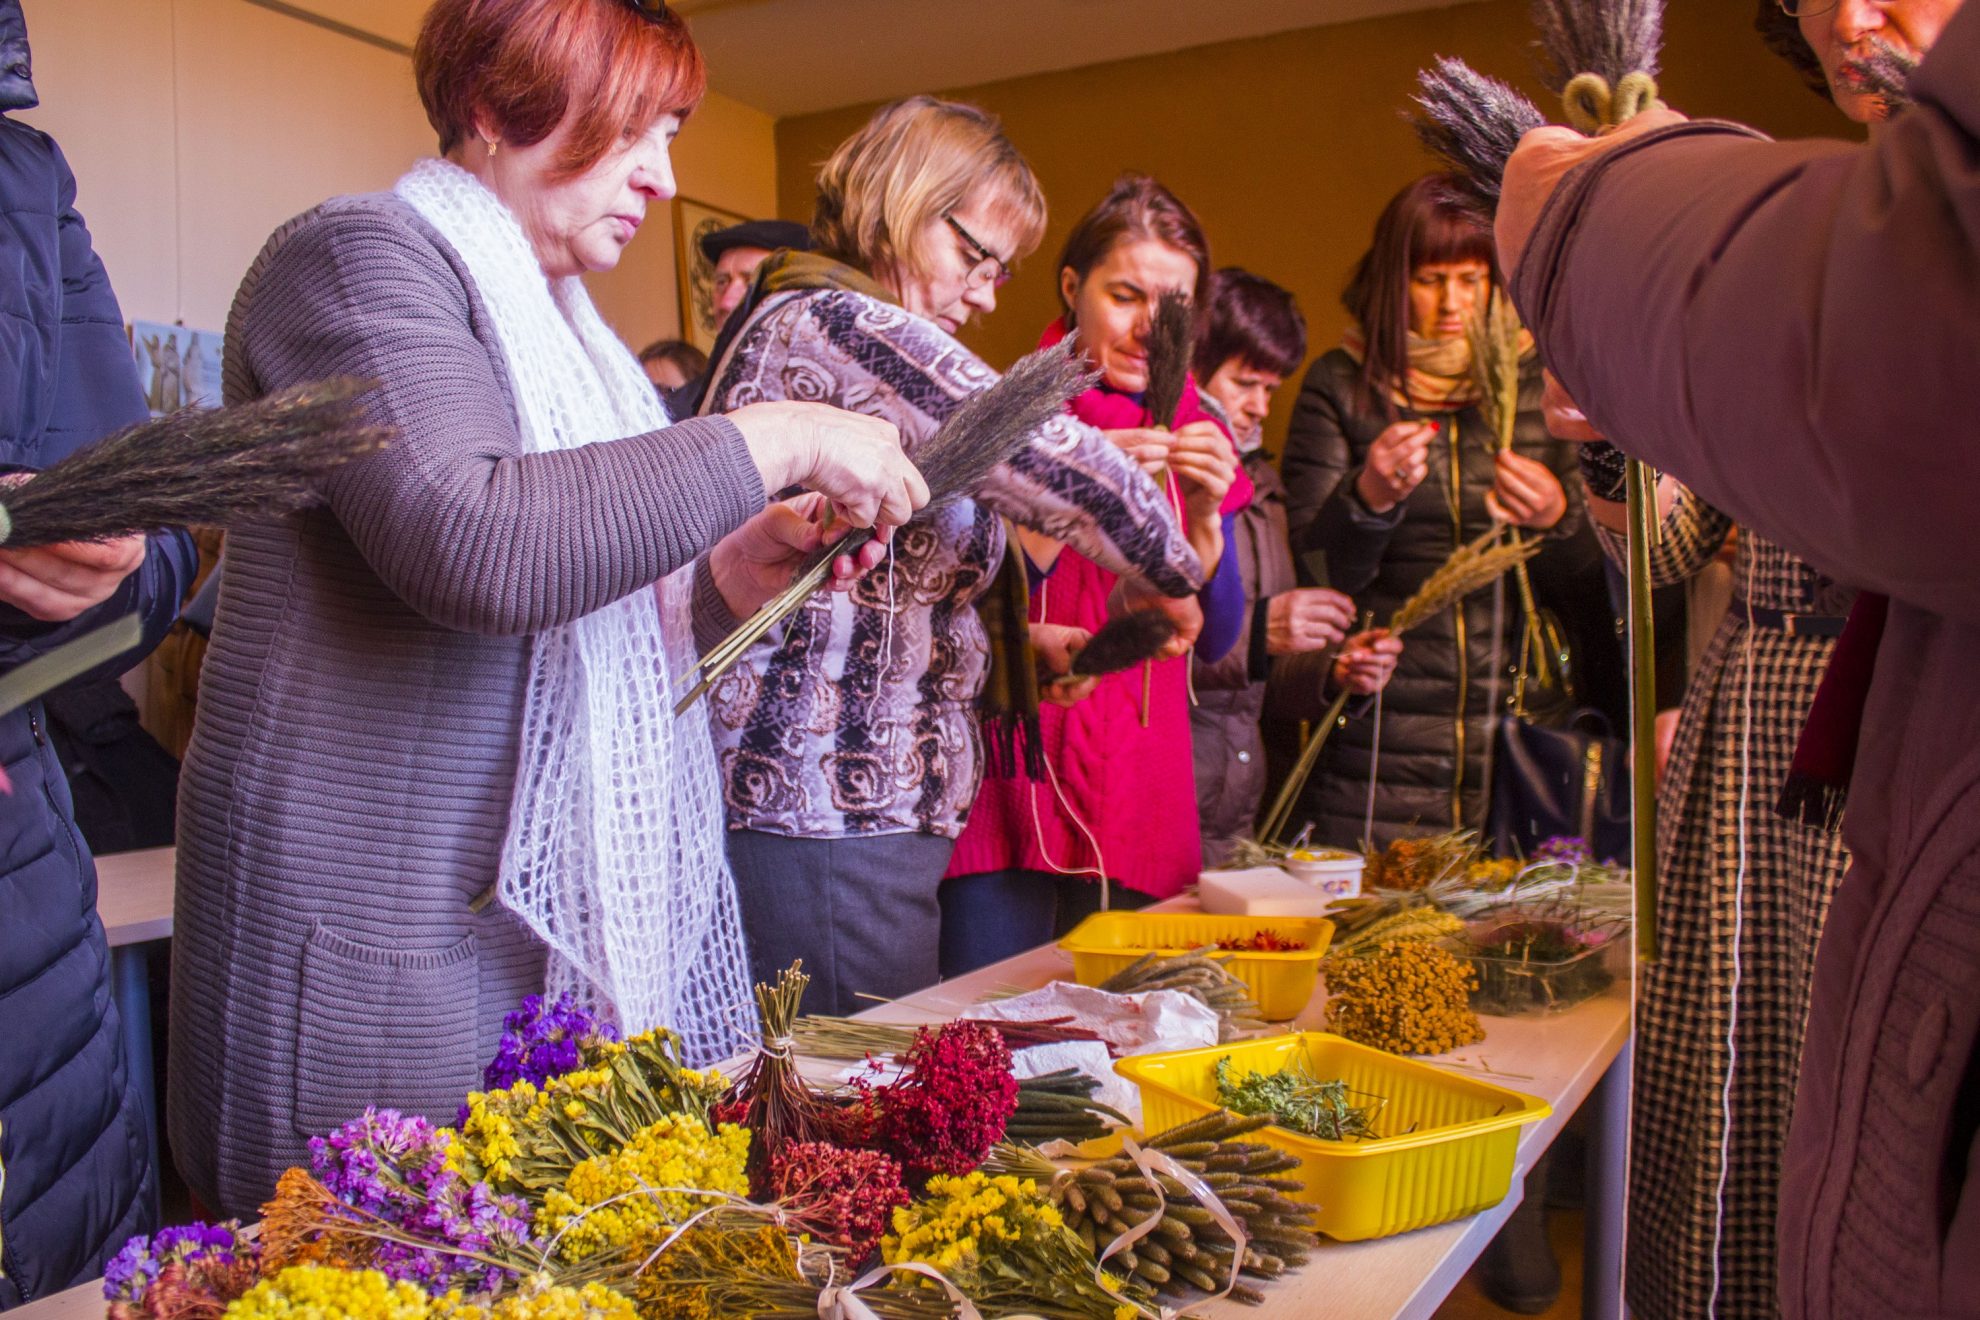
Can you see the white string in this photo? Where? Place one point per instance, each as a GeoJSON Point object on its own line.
{"type": "Point", "coordinates": [1099, 867]}
{"type": "Point", "coordinates": [886, 635]}
{"type": "Point", "coordinates": [1739, 928]}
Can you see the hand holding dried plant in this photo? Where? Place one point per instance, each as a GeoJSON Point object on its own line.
{"type": "Point", "coordinates": [853, 460]}
{"type": "Point", "coordinates": [1397, 463]}
{"type": "Point", "coordinates": [56, 583]}
{"type": "Point", "coordinates": [1148, 447]}
{"type": "Point", "coordinates": [1306, 619]}
{"type": "Point", "coordinates": [1205, 466]}
{"type": "Point", "coordinates": [759, 559]}
{"type": "Point", "coordinates": [1536, 168]}
{"type": "Point", "coordinates": [1057, 648]}
{"type": "Point", "coordinates": [1367, 662]}
{"type": "Point", "coordinates": [1525, 493]}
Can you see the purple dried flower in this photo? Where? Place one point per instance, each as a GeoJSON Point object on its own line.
{"type": "Point", "coordinates": [1565, 850]}
{"type": "Point", "coordinates": [133, 1270]}
{"type": "Point", "coordinates": [395, 1167]}
{"type": "Point", "coordinates": [540, 1042]}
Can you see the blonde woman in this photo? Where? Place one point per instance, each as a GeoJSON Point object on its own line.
{"type": "Point", "coordinates": [848, 738]}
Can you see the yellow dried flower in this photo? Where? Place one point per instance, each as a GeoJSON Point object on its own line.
{"type": "Point", "coordinates": [1408, 998]}
{"type": "Point", "coordinates": [612, 1199]}
{"type": "Point", "coordinates": [324, 1292]}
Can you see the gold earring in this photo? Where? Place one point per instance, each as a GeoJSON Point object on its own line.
{"type": "Point", "coordinates": [493, 143]}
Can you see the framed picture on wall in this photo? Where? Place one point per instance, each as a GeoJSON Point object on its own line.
{"type": "Point", "coordinates": [178, 366]}
{"type": "Point", "coordinates": [692, 220]}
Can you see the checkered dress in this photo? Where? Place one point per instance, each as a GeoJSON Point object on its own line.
{"type": "Point", "coordinates": [1758, 682]}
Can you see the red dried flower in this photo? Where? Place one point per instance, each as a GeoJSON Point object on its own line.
{"type": "Point", "coordinates": [951, 1104]}
{"type": "Point", "coordinates": [845, 1197]}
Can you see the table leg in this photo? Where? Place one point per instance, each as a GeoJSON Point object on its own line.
{"type": "Point", "coordinates": [1606, 1191]}
{"type": "Point", "coordinates": [130, 985]}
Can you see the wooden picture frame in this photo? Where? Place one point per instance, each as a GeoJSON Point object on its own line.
{"type": "Point", "coordinates": [692, 220]}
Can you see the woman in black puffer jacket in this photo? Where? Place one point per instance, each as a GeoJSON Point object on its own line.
{"type": "Point", "coordinates": [1389, 466]}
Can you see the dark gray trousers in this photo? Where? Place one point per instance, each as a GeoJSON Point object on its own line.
{"type": "Point", "coordinates": [861, 913]}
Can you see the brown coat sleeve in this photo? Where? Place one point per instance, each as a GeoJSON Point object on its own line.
{"type": "Point", "coordinates": [459, 522]}
{"type": "Point", "coordinates": [1791, 327]}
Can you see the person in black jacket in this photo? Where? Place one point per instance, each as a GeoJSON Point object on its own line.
{"type": "Point", "coordinates": [1390, 465]}
{"type": "Point", "coordinates": [77, 1177]}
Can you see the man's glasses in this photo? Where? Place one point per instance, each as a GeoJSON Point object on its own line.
{"type": "Point", "coordinates": [1806, 8]}
{"type": "Point", "coordinates": [985, 266]}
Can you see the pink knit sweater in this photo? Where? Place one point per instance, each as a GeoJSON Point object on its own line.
{"type": "Point", "coordinates": [1118, 794]}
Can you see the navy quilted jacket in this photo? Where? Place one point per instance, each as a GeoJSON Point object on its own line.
{"type": "Point", "coordinates": [77, 1179]}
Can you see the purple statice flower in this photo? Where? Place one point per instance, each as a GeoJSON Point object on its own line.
{"type": "Point", "coordinates": [1565, 850]}
{"type": "Point", "coordinates": [133, 1270]}
{"type": "Point", "coordinates": [541, 1041]}
{"type": "Point", "coordinates": [394, 1166]}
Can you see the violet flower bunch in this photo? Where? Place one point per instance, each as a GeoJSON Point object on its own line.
{"type": "Point", "coordinates": [180, 1269]}
{"type": "Point", "coordinates": [543, 1040]}
{"type": "Point", "coordinates": [396, 1167]}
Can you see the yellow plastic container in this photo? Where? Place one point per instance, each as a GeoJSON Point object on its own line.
{"type": "Point", "coordinates": [1108, 942]}
{"type": "Point", "coordinates": [1454, 1154]}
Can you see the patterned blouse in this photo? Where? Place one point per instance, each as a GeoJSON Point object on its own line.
{"type": "Point", "coordinates": [857, 716]}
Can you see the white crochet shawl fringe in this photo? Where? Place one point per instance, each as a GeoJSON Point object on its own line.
{"type": "Point", "coordinates": [615, 850]}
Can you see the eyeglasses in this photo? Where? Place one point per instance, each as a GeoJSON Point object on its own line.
{"type": "Point", "coordinates": [985, 266]}
{"type": "Point", "coordinates": [653, 11]}
{"type": "Point", "coordinates": [1808, 8]}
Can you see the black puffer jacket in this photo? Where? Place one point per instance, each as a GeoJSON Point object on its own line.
{"type": "Point", "coordinates": [71, 1138]}
{"type": "Point", "coordinates": [1435, 713]}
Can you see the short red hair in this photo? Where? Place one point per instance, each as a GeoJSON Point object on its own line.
{"type": "Point", "coordinates": [524, 65]}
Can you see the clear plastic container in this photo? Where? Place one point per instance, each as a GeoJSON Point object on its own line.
{"type": "Point", "coordinates": [1511, 985]}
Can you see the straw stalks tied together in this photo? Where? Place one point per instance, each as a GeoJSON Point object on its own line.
{"type": "Point", "coordinates": [1495, 353]}
{"type": "Point", "coordinates": [1123, 642]}
{"type": "Point", "coordinates": [1171, 333]}
{"type": "Point", "coordinates": [982, 433]}
{"type": "Point", "coordinates": [822, 1037]}
{"type": "Point", "coordinates": [1201, 976]}
{"type": "Point", "coordinates": [1187, 1250]}
{"type": "Point", "coordinates": [195, 467]}
{"type": "Point", "coordinates": [1471, 567]}
{"type": "Point", "coordinates": [1059, 1106]}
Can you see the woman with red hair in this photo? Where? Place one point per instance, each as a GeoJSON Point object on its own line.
{"type": "Point", "coordinates": [455, 676]}
{"type": "Point", "coordinates": [1390, 465]}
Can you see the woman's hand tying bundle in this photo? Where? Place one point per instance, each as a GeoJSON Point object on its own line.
{"type": "Point", "coordinates": [1147, 446]}
{"type": "Point", "coordinates": [1397, 463]}
{"type": "Point", "coordinates": [853, 460]}
{"type": "Point", "coordinates": [1366, 662]}
{"type": "Point", "coordinates": [1131, 594]}
{"type": "Point", "coordinates": [56, 583]}
{"type": "Point", "coordinates": [1306, 619]}
{"type": "Point", "coordinates": [1057, 645]}
{"type": "Point", "coordinates": [759, 559]}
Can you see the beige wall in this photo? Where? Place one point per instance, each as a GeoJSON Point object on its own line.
{"type": "Point", "coordinates": [195, 127]}
{"type": "Point", "coordinates": [1288, 146]}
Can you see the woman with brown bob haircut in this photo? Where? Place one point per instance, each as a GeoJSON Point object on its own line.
{"type": "Point", "coordinates": [848, 738]}
{"type": "Point", "coordinates": [452, 677]}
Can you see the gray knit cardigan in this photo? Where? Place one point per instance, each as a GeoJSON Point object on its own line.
{"type": "Point", "coordinates": [347, 788]}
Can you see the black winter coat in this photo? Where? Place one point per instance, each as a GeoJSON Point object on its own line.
{"type": "Point", "coordinates": [71, 1138]}
{"type": "Point", "coordinates": [1436, 710]}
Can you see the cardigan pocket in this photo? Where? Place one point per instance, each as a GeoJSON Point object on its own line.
{"type": "Point", "coordinates": [394, 1028]}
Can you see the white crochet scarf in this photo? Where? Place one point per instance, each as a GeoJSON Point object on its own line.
{"type": "Point", "coordinates": [615, 851]}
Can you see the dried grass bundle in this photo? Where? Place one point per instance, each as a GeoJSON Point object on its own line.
{"type": "Point", "coordinates": [1608, 38]}
{"type": "Point", "coordinates": [211, 467]}
{"type": "Point", "coordinates": [1471, 123]}
{"type": "Point", "coordinates": [1471, 567]}
{"type": "Point", "coordinates": [986, 430]}
{"type": "Point", "coordinates": [1123, 642]}
{"type": "Point", "coordinates": [1171, 335]}
{"type": "Point", "coordinates": [1494, 337]}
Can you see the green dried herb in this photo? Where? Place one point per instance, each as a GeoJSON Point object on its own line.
{"type": "Point", "coordinates": [1296, 1099]}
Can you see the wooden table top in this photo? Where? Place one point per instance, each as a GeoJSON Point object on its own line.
{"type": "Point", "coordinates": [1559, 1058]}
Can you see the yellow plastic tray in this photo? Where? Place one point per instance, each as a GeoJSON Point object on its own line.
{"type": "Point", "coordinates": [1107, 942]}
{"type": "Point", "coordinates": [1454, 1155]}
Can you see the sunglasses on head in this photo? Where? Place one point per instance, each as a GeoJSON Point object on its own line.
{"type": "Point", "coordinates": [654, 11]}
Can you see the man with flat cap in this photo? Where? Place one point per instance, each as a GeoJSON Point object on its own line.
{"type": "Point", "coordinates": [737, 251]}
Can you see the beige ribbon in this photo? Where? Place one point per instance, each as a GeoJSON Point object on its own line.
{"type": "Point", "coordinates": [1592, 105]}
{"type": "Point", "coordinates": [1153, 1164]}
{"type": "Point", "coordinates": [841, 1302]}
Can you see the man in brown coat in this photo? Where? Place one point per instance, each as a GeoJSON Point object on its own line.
{"type": "Point", "coordinates": [1791, 329]}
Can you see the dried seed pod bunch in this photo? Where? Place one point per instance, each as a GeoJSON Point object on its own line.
{"type": "Point", "coordinates": [1187, 1250]}
{"type": "Point", "coordinates": [1060, 1106]}
{"type": "Point", "coordinates": [1201, 977]}
{"type": "Point", "coordinates": [1407, 998]}
{"type": "Point", "coordinates": [1420, 922]}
